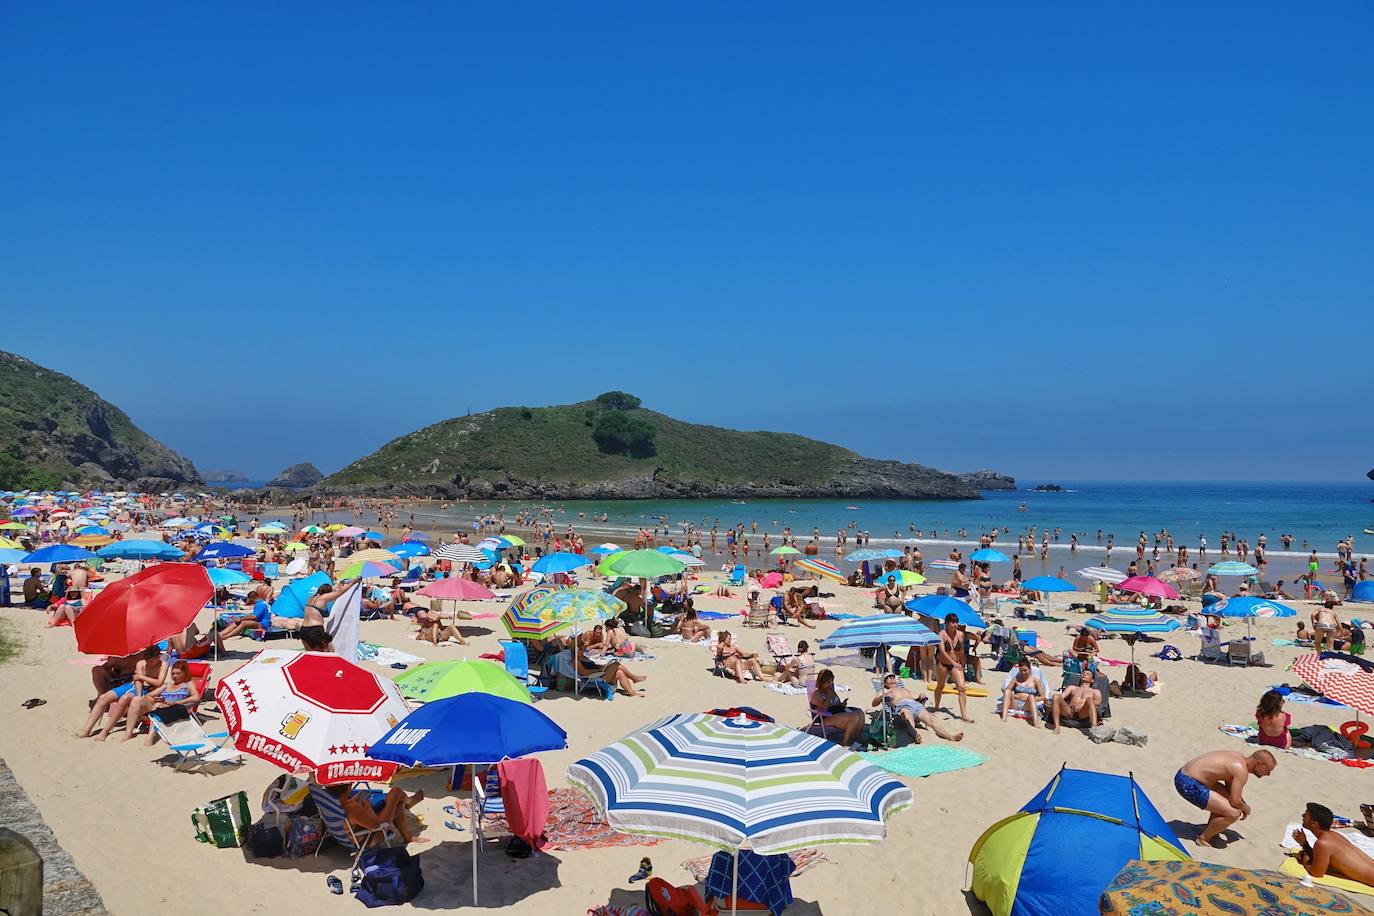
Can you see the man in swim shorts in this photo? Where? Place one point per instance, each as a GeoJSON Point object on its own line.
{"type": "Point", "coordinates": [1215, 781]}
{"type": "Point", "coordinates": [908, 709]}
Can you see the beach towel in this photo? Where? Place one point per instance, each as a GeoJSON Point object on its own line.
{"type": "Point", "coordinates": [526, 797]}
{"type": "Point", "coordinates": [715, 615]}
{"type": "Point", "coordinates": [631, 910]}
{"type": "Point", "coordinates": [802, 860]}
{"type": "Point", "coordinates": [1293, 643]}
{"type": "Point", "coordinates": [762, 879]}
{"type": "Point", "coordinates": [924, 759]}
{"type": "Point", "coordinates": [575, 823]}
{"type": "Point", "coordinates": [841, 615]}
{"type": "Point", "coordinates": [786, 689]}
{"type": "Point", "coordinates": [1293, 695]}
{"type": "Point", "coordinates": [1291, 868]}
{"type": "Point", "coordinates": [385, 655]}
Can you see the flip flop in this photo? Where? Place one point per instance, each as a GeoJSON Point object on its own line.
{"type": "Point", "coordinates": [335, 885]}
{"type": "Point", "coordinates": [35, 702]}
{"type": "Point", "coordinates": [453, 825]}
{"type": "Point", "coordinates": [450, 809]}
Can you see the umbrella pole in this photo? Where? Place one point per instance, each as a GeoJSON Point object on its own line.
{"type": "Point", "coordinates": [734, 889]}
{"type": "Point", "coordinates": [476, 829]}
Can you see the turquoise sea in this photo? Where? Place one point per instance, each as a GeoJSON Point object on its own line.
{"type": "Point", "coordinates": [1316, 514]}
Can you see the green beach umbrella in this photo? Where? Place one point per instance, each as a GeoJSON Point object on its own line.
{"type": "Point", "coordinates": [645, 564]}
{"type": "Point", "coordinates": [905, 577]}
{"type": "Point", "coordinates": [14, 526]}
{"type": "Point", "coordinates": [439, 680]}
{"type": "Point", "coordinates": [783, 551]}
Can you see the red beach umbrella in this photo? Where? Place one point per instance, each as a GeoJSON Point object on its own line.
{"type": "Point", "coordinates": [143, 609]}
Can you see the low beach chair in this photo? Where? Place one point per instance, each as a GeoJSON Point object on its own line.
{"type": "Point", "coordinates": [760, 615]}
{"type": "Point", "coordinates": [737, 576]}
{"type": "Point", "coordinates": [189, 740]}
{"type": "Point", "coordinates": [563, 667]}
{"type": "Point", "coordinates": [779, 647]}
{"type": "Point", "coordinates": [518, 666]}
{"type": "Point", "coordinates": [818, 726]}
{"type": "Point", "coordinates": [338, 828]}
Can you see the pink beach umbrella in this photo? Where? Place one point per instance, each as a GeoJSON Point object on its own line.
{"type": "Point", "coordinates": [771, 580]}
{"type": "Point", "coordinates": [1148, 585]}
{"type": "Point", "coordinates": [455, 588]}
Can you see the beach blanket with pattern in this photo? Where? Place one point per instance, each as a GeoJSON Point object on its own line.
{"type": "Point", "coordinates": [802, 860]}
{"type": "Point", "coordinates": [574, 823]}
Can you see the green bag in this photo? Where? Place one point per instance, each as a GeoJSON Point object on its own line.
{"type": "Point", "coordinates": [223, 822]}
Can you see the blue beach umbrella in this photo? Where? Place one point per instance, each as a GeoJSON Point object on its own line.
{"type": "Point", "coordinates": [373, 536]}
{"type": "Point", "coordinates": [92, 529]}
{"type": "Point", "coordinates": [471, 729]}
{"type": "Point", "coordinates": [1149, 622]}
{"type": "Point", "coordinates": [880, 630]}
{"type": "Point", "coordinates": [12, 555]}
{"type": "Point", "coordinates": [139, 550]}
{"type": "Point", "coordinates": [1364, 591]}
{"type": "Point", "coordinates": [1251, 607]}
{"type": "Point", "coordinates": [1048, 584]}
{"type": "Point", "coordinates": [224, 550]}
{"type": "Point", "coordinates": [221, 577]}
{"type": "Point", "coordinates": [988, 555]}
{"type": "Point", "coordinates": [409, 550]}
{"type": "Point", "coordinates": [293, 598]}
{"type": "Point", "coordinates": [606, 548]}
{"type": "Point", "coordinates": [1232, 568]}
{"type": "Point", "coordinates": [866, 554]}
{"type": "Point", "coordinates": [559, 563]}
{"type": "Point", "coordinates": [59, 553]}
{"type": "Point", "coordinates": [939, 606]}
{"type": "Point", "coordinates": [417, 536]}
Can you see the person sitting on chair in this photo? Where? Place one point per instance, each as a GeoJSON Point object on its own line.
{"type": "Point", "coordinates": [1024, 693]}
{"type": "Point", "coordinates": [1077, 702]}
{"type": "Point", "coordinates": [368, 816]}
{"type": "Point", "coordinates": [909, 709]}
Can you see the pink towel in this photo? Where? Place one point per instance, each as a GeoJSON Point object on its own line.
{"type": "Point", "coordinates": [526, 799]}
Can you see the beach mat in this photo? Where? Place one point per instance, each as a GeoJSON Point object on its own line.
{"type": "Point", "coordinates": [1291, 868]}
{"type": "Point", "coordinates": [924, 759]}
{"type": "Point", "coordinates": [970, 690]}
{"type": "Point", "coordinates": [715, 615]}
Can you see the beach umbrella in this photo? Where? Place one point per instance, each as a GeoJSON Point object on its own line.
{"type": "Point", "coordinates": [60, 553]}
{"type": "Point", "coordinates": [223, 550]}
{"type": "Point", "coordinates": [14, 526]}
{"type": "Point", "coordinates": [946, 565]}
{"type": "Point", "coordinates": [1148, 585]}
{"type": "Point", "coordinates": [1192, 887]}
{"type": "Point", "coordinates": [456, 588]}
{"type": "Point", "coordinates": [1102, 574]}
{"type": "Point", "coordinates": [1048, 584]}
{"type": "Point", "coordinates": [562, 562]}
{"type": "Point", "coordinates": [1354, 690]}
{"type": "Point", "coordinates": [525, 598]}
{"type": "Point", "coordinates": [8, 544]}
{"type": "Point", "coordinates": [688, 560]}
{"type": "Point", "coordinates": [139, 550]}
{"type": "Point", "coordinates": [644, 564]}
{"type": "Point", "coordinates": [511, 540]}
{"type": "Point", "coordinates": [1178, 574]}
{"type": "Point", "coordinates": [880, 630]}
{"type": "Point", "coordinates": [348, 531]}
{"type": "Point", "coordinates": [605, 548]}
{"type": "Point", "coordinates": [143, 609]}
{"type": "Point", "coordinates": [335, 527]}
{"type": "Point", "coordinates": [293, 546]}
{"type": "Point", "coordinates": [1363, 591]}
{"type": "Point", "coordinates": [372, 555]}
{"type": "Point", "coordinates": [312, 529]}
{"type": "Point", "coordinates": [1232, 568]}
{"type": "Point", "coordinates": [409, 550]}
{"type": "Point", "coordinates": [822, 569]}
{"type": "Point", "coordinates": [469, 729]}
{"type": "Point", "coordinates": [988, 555]}
{"type": "Point", "coordinates": [10, 555]}
{"type": "Point", "coordinates": [296, 594]}
{"type": "Point", "coordinates": [905, 577]}
{"type": "Point", "coordinates": [222, 577]}
{"type": "Point", "coordinates": [439, 680]}
{"type": "Point", "coordinates": [1314, 668]}
{"type": "Point", "coordinates": [738, 783]}
{"type": "Point", "coordinates": [92, 529]}
{"type": "Point", "coordinates": [1025, 864]}
{"type": "Point", "coordinates": [366, 569]}
{"type": "Point", "coordinates": [24, 512]}
{"type": "Point", "coordinates": [783, 551]}
{"type": "Point", "coordinates": [559, 610]}
{"type": "Point", "coordinates": [311, 711]}
{"type": "Point", "coordinates": [91, 540]}
{"type": "Point", "coordinates": [1248, 608]}
{"type": "Point", "coordinates": [459, 553]}
{"type": "Point", "coordinates": [865, 555]}
{"type": "Point", "coordinates": [178, 521]}
{"type": "Point", "coordinates": [940, 606]}
{"type": "Point", "coordinates": [416, 536]}
{"type": "Point", "coordinates": [374, 536]}
{"type": "Point", "coordinates": [1113, 621]}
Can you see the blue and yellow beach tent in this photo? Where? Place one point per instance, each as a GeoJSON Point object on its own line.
{"type": "Point", "coordinates": [1057, 854]}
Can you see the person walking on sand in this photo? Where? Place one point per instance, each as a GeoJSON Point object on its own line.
{"type": "Point", "coordinates": [1215, 782]}
{"type": "Point", "coordinates": [949, 664]}
{"type": "Point", "coordinates": [1332, 854]}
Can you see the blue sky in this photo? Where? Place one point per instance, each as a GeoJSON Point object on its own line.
{"type": "Point", "coordinates": [1087, 242]}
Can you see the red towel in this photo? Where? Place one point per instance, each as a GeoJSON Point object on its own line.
{"type": "Point", "coordinates": [526, 799]}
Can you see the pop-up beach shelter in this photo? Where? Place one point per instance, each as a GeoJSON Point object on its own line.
{"type": "Point", "coordinates": [1057, 854]}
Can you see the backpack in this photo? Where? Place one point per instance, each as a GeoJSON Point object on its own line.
{"type": "Point", "coordinates": [303, 836]}
{"type": "Point", "coordinates": [388, 876]}
{"type": "Point", "coordinates": [265, 841]}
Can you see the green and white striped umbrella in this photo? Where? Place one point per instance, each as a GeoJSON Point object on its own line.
{"type": "Point", "coordinates": [738, 783]}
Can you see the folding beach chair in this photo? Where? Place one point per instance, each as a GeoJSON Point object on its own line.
{"type": "Point", "coordinates": [779, 647]}
{"type": "Point", "coordinates": [818, 726]}
{"type": "Point", "coordinates": [563, 666]}
{"type": "Point", "coordinates": [338, 828]}
{"type": "Point", "coordinates": [518, 666]}
{"type": "Point", "coordinates": [191, 743]}
{"type": "Point", "coordinates": [737, 576]}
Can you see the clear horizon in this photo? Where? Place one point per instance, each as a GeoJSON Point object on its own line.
{"type": "Point", "coordinates": [1109, 238]}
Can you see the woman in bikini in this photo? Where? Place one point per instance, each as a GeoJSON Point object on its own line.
{"type": "Point", "coordinates": [826, 702]}
{"type": "Point", "coordinates": [735, 660]}
{"type": "Point", "coordinates": [797, 668]}
{"type": "Point", "coordinates": [1024, 693]}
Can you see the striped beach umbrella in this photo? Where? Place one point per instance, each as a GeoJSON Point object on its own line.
{"type": "Point", "coordinates": [1134, 621]}
{"type": "Point", "coordinates": [880, 630]}
{"type": "Point", "coordinates": [366, 569]}
{"type": "Point", "coordinates": [1232, 568]}
{"type": "Point", "coordinates": [824, 570]}
{"type": "Point", "coordinates": [738, 783]}
{"type": "Point", "coordinates": [941, 606]}
{"type": "Point", "coordinates": [867, 554]}
{"type": "Point", "coordinates": [1354, 690]}
{"type": "Point", "coordinates": [1316, 668]}
{"type": "Point", "coordinates": [573, 608]}
{"type": "Point", "coordinates": [373, 555]}
{"type": "Point", "coordinates": [904, 577]}
{"type": "Point", "coordinates": [1102, 574]}
{"type": "Point", "coordinates": [525, 598]}
{"type": "Point", "coordinates": [1177, 574]}
{"type": "Point", "coordinates": [460, 553]}
{"type": "Point", "coordinates": [946, 565]}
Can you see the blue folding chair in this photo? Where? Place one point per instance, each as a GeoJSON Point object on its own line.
{"type": "Point", "coordinates": [737, 575]}
{"type": "Point", "coordinates": [518, 666]}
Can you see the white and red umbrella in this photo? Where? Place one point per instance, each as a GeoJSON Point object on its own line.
{"type": "Point", "coordinates": [1317, 668]}
{"type": "Point", "coordinates": [311, 712]}
{"type": "Point", "coordinates": [1354, 690]}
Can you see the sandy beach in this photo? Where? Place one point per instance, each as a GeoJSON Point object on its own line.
{"type": "Point", "coordinates": [123, 813]}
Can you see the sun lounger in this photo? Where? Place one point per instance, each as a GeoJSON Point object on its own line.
{"type": "Point", "coordinates": [340, 830]}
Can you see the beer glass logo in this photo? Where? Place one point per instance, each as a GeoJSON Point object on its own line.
{"type": "Point", "coordinates": [291, 726]}
{"type": "Point", "coordinates": [390, 720]}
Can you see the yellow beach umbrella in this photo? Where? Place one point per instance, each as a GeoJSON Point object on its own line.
{"type": "Point", "coordinates": [295, 545]}
{"type": "Point", "coordinates": [7, 544]}
{"type": "Point", "coordinates": [92, 540]}
{"type": "Point", "coordinates": [375, 555]}
{"type": "Point", "coordinates": [335, 527]}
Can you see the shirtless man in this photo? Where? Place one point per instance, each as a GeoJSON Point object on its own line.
{"type": "Point", "coordinates": [959, 582]}
{"type": "Point", "coordinates": [909, 709]}
{"type": "Point", "coordinates": [1333, 854]}
{"type": "Point", "coordinates": [1079, 701]}
{"type": "Point", "coordinates": [949, 664]}
{"type": "Point", "coordinates": [1215, 781]}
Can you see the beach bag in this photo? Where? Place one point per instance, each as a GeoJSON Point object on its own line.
{"type": "Point", "coordinates": [303, 836]}
{"type": "Point", "coordinates": [265, 841]}
{"type": "Point", "coordinates": [387, 877]}
{"type": "Point", "coordinates": [223, 822]}
{"type": "Point", "coordinates": [285, 795]}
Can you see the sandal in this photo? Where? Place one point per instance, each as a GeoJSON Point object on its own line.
{"type": "Point", "coordinates": [33, 703]}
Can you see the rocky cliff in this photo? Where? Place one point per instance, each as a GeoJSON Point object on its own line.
{"type": "Point", "coordinates": [54, 431]}
{"type": "Point", "coordinates": [297, 477]}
